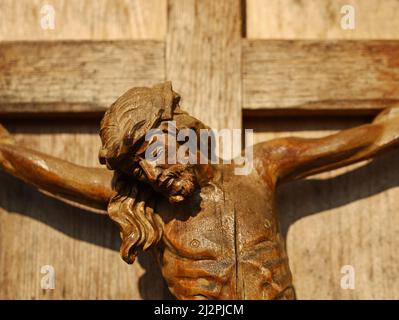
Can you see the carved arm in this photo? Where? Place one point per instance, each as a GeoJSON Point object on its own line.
{"type": "Point", "coordinates": [84, 187]}
{"type": "Point", "coordinates": [293, 158]}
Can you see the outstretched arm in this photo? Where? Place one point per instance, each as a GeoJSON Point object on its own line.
{"type": "Point", "coordinates": [88, 188]}
{"type": "Point", "coordinates": [295, 158]}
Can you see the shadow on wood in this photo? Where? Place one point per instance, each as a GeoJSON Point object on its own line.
{"type": "Point", "coordinates": [100, 231]}
{"type": "Point", "coordinates": [78, 224]}
{"type": "Point", "coordinates": [308, 192]}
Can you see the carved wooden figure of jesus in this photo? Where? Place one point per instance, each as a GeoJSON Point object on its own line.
{"type": "Point", "coordinates": [215, 234]}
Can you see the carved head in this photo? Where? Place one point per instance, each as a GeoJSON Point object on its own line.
{"type": "Point", "coordinates": [124, 147]}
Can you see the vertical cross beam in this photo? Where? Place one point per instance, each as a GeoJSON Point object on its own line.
{"type": "Point", "coordinates": [203, 59]}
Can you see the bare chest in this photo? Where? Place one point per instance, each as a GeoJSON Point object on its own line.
{"type": "Point", "coordinates": [221, 237]}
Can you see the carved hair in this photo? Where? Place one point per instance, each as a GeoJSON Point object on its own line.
{"type": "Point", "coordinates": [122, 127]}
{"type": "Point", "coordinates": [130, 117]}
{"type": "Point", "coordinates": [132, 208]}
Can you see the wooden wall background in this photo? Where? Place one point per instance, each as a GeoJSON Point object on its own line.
{"type": "Point", "coordinates": [348, 216]}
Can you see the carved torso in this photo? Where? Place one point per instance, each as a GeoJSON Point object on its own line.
{"type": "Point", "coordinates": [224, 243]}
{"type": "Point", "coordinates": [218, 241]}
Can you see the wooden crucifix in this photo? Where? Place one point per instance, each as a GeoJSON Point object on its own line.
{"type": "Point", "coordinates": [215, 234]}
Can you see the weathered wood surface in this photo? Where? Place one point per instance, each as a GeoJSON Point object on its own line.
{"type": "Point", "coordinates": [84, 20]}
{"type": "Point", "coordinates": [320, 19]}
{"type": "Point", "coordinates": [349, 216]}
{"type": "Point", "coordinates": [74, 76]}
{"type": "Point", "coordinates": [358, 227]}
{"type": "Point", "coordinates": [82, 247]}
{"type": "Point", "coordinates": [203, 54]}
{"type": "Point", "coordinates": [290, 77]}
{"type": "Point", "coordinates": [85, 251]}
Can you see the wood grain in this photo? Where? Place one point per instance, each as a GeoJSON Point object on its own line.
{"type": "Point", "coordinates": [84, 20]}
{"type": "Point", "coordinates": [73, 77]}
{"type": "Point", "coordinates": [349, 77]}
{"type": "Point", "coordinates": [349, 219]}
{"type": "Point", "coordinates": [348, 216]}
{"type": "Point", "coordinates": [203, 54]}
{"type": "Point", "coordinates": [320, 19]}
{"type": "Point", "coordinates": [85, 251]}
{"type": "Point", "coordinates": [82, 247]}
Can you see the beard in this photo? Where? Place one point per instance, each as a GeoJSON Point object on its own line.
{"type": "Point", "coordinates": [178, 182]}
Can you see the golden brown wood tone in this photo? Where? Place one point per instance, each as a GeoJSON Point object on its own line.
{"type": "Point", "coordinates": [324, 217]}
{"type": "Point", "coordinates": [82, 247]}
{"type": "Point", "coordinates": [324, 77]}
{"type": "Point", "coordinates": [203, 54]}
{"type": "Point", "coordinates": [320, 19]}
{"type": "Point", "coordinates": [215, 233]}
{"type": "Point", "coordinates": [69, 77]}
{"type": "Point", "coordinates": [84, 20]}
{"type": "Point", "coordinates": [94, 270]}
{"type": "Point", "coordinates": [352, 221]}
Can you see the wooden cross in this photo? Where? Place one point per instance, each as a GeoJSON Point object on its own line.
{"type": "Point", "coordinates": [214, 67]}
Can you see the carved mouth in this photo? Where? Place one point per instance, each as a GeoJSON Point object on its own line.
{"type": "Point", "coordinates": [176, 184]}
{"type": "Point", "coordinates": [176, 199]}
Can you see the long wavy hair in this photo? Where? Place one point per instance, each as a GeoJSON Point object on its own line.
{"type": "Point", "coordinates": [122, 129]}
{"type": "Point", "coordinates": [132, 209]}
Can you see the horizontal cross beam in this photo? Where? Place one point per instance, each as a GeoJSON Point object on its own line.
{"type": "Point", "coordinates": [319, 77]}
{"type": "Point", "coordinates": [278, 77]}
{"type": "Point", "coordinates": [76, 77]}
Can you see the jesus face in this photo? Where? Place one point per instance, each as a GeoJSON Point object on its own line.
{"type": "Point", "coordinates": [175, 180]}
